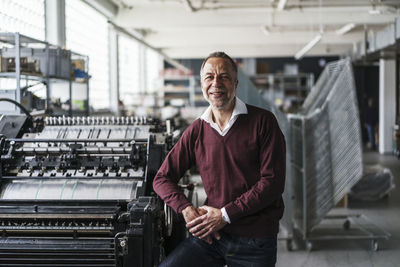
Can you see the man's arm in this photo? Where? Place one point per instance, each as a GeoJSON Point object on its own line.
{"type": "Point", "coordinates": [177, 162]}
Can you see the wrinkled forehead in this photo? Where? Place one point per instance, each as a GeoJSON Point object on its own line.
{"type": "Point", "coordinates": [217, 65]}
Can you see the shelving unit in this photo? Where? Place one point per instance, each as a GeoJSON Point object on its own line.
{"type": "Point", "coordinates": [27, 62]}
{"type": "Point", "coordinates": [197, 95]}
{"type": "Point", "coordinates": [80, 85]}
{"type": "Point", "coordinates": [185, 88]}
{"type": "Point", "coordinates": [283, 89]}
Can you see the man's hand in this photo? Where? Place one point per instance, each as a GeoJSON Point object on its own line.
{"type": "Point", "coordinates": [207, 224]}
{"type": "Point", "coordinates": [190, 213]}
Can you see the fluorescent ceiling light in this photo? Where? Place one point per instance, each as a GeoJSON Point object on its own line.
{"type": "Point", "coordinates": [308, 47]}
{"type": "Point", "coordinates": [379, 10]}
{"type": "Point", "coordinates": [374, 11]}
{"type": "Point", "coordinates": [345, 29]}
{"type": "Point", "coordinates": [281, 4]}
{"type": "Point", "coordinates": [266, 30]}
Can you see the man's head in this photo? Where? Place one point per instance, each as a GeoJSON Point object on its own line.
{"type": "Point", "coordinates": [219, 80]}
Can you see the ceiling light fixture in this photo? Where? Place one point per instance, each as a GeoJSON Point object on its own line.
{"type": "Point", "coordinates": [281, 5]}
{"type": "Point", "coordinates": [374, 11]}
{"type": "Point", "coordinates": [345, 29]}
{"type": "Point", "coordinates": [307, 47]}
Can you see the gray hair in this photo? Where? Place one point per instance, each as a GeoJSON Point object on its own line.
{"type": "Point", "coordinates": [221, 55]}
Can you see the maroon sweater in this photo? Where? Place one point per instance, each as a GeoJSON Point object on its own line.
{"type": "Point", "coordinates": [243, 171]}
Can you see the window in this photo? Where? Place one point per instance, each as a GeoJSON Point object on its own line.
{"type": "Point", "coordinates": [139, 69]}
{"type": "Point", "coordinates": [87, 34]}
{"type": "Point", "coordinates": [153, 67]}
{"type": "Point", "coordinates": [129, 67]}
{"type": "Point", "coordinates": [23, 16]}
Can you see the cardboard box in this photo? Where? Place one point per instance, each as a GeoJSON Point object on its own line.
{"type": "Point", "coordinates": [54, 62]}
{"type": "Point", "coordinates": [78, 64]}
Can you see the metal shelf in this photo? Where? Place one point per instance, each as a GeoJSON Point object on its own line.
{"type": "Point", "coordinates": [55, 63]}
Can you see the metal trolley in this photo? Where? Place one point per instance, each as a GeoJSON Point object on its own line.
{"type": "Point", "coordinates": [327, 160]}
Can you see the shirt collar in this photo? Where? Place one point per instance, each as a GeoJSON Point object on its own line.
{"type": "Point", "coordinates": [240, 108]}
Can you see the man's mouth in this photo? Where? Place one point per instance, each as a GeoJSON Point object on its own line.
{"type": "Point", "coordinates": [217, 94]}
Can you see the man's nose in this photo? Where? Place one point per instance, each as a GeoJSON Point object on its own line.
{"type": "Point", "coordinates": [216, 81]}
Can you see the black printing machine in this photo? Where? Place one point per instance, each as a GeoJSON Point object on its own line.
{"type": "Point", "coordinates": [77, 191]}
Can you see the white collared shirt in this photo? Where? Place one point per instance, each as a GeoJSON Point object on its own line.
{"type": "Point", "coordinates": [240, 108]}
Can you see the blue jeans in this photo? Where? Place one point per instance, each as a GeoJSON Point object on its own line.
{"type": "Point", "coordinates": [229, 250]}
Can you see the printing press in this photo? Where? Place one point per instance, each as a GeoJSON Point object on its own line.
{"type": "Point", "coordinates": [77, 191]}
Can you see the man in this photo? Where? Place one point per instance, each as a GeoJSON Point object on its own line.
{"type": "Point", "coordinates": [371, 120]}
{"type": "Point", "coordinates": [240, 153]}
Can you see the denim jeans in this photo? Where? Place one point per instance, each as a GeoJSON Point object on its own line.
{"type": "Point", "coordinates": [229, 250]}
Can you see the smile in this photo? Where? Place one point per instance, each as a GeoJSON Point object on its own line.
{"type": "Point", "coordinates": [217, 94]}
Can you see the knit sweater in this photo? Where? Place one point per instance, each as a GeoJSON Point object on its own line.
{"type": "Point", "coordinates": [243, 171]}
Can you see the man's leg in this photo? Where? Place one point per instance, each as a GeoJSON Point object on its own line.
{"type": "Point", "coordinates": [193, 252]}
{"type": "Point", "coordinates": [251, 252]}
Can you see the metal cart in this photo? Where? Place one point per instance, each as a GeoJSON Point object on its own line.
{"type": "Point", "coordinates": [327, 160]}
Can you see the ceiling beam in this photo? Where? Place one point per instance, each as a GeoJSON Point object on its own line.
{"type": "Point", "coordinates": [178, 17]}
{"type": "Point", "coordinates": [246, 51]}
{"type": "Point", "coordinates": [247, 37]}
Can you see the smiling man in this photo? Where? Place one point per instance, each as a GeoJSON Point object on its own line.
{"type": "Point", "coordinates": [240, 153]}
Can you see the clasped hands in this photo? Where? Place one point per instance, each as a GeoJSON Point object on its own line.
{"type": "Point", "coordinates": [204, 222]}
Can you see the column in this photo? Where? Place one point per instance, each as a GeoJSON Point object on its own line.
{"type": "Point", "coordinates": [114, 71]}
{"type": "Point", "coordinates": [387, 103]}
{"type": "Point", "coordinates": [55, 22]}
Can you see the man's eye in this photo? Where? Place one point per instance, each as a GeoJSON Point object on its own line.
{"type": "Point", "coordinates": [207, 78]}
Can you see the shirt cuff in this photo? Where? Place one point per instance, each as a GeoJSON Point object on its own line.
{"type": "Point", "coordinates": [225, 216]}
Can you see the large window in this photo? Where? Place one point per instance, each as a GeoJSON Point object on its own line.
{"type": "Point", "coordinates": [87, 33]}
{"type": "Point", "coordinates": [129, 70]}
{"type": "Point", "coordinates": [139, 69]}
{"type": "Point", "coordinates": [153, 68]}
{"type": "Point", "coordinates": [23, 16]}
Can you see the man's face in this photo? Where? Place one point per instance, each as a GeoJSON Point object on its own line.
{"type": "Point", "coordinates": [218, 82]}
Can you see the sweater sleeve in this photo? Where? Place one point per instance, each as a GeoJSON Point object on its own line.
{"type": "Point", "coordinates": [269, 188]}
{"type": "Point", "coordinates": [177, 162]}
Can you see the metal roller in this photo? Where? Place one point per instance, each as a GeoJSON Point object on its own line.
{"type": "Point", "coordinates": [73, 189]}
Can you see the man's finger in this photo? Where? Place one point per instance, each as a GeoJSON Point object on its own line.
{"type": "Point", "coordinates": [217, 235]}
{"type": "Point", "coordinates": [208, 239]}
{"type": "Point", "coordinates": [198, 230]}
{"type": "Point", "coordinates": [206, 234]}
{"type": "Point", "coordinates": [194, 222]}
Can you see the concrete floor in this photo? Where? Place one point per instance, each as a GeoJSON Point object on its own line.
{"type": "Point", "coordinates": [384, 213]}
{"type": "Point", "coordinates": [337, 253]}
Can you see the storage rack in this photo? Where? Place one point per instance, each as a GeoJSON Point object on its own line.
{"type": "Point", "coordinates": [185, 87]}
{"type": "Point", "coordinates": [80, 85]}
{"type": "Point", "coordinates": [280, 87]}
{"type": "Point", "coordinates": [326, 160]}
{"type": "Point", "coordinates": [55, 67]}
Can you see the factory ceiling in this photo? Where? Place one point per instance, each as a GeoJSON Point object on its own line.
{"type": "Point", "coordinates": [254, 28]}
